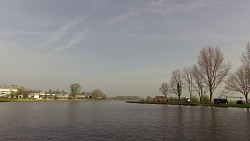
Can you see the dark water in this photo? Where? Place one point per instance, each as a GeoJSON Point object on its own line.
{"type": "Point", "coordinates": [105, 120]}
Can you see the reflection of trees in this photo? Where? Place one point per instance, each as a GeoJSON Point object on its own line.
{"type": "Point", "coordinates": [72, 112]}
{"type": "Point", "coordinates": [180, 123]}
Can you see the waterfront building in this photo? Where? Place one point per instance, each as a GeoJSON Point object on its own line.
{"type": "Point", "coordinates": [6, 90]}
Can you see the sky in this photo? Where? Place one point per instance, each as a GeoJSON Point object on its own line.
{"type": "Point", "coordinates": [124, 47]}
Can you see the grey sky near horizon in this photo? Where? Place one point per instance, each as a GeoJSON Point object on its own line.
{"type": "Point", "coordinates": [124, 47]}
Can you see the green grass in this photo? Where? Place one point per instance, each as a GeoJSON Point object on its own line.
{"type": "Point", "coordinates": [8, 100]}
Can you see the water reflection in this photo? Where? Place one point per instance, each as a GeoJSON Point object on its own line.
{"type": "Point", "coordinates": [121, 121]}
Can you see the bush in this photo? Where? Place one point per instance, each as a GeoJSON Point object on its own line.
{"type": "Point", "coordinates": [205, 99]}
{"type": "Point", "coordinates": [194, 99]}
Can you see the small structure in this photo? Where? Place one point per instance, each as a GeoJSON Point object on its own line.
{"type": "Point", "coordinates": [160, 98]}
{"type": "Point", "coordinates": [80, 96]}
{"type": "Point", "coordinates": [62, 95]}
{"type": "Point", "coordinates": [34, 95]}
{"type": "Point", "coordinates": [6, 90]}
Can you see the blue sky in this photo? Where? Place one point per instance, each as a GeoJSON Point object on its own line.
{"type": "Point", "coordinates": [124, 47]}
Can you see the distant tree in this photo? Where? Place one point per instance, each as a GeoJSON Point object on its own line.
{"type": "Point", "coordinates": [199, 84]}
{"type": "Point", "coordinates": [148, 99]}
{"type": "Point", "coordinates": [14, 94]}
{"type": "Point", "coordinates": [245, 58]}
{"type": "Point", "coordinates": [176, 83]}
{"type": "Point", "coordinates": [98, 94]}
{"type": "Point", "coordinates": [239, 82]}
{"type": "Point", "coordinates": [26, 93]}
{"type": "Point", "coordinates": [50, 93]}
{"type": "Point", "coordinates": [75, 89]}
{"type": "Point", "coordinates": [164, 89]}
{"type": "Point", "coordinates": [188, 79]}
{"type": "Point", "coordinates": [21, 91]}
{"type": "Point", "coordinates": [211, 62]}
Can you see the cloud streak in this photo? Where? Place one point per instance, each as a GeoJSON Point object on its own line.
{"type": "Point", "coordinates": [74, 41]}
{"type": "Point", "coordinates": [122, 18]}
{"type": "Point", "coordinates": [169, 7]}
{"type": "Point", "coordinates": [56, 36]}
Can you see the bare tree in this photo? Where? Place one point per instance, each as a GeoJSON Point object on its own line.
{"type": "Point", "coordinates": [245, 59]}
{"type": "Point", "coordinates": [164, 89]}
{"type": "Point", "coordinates": [188, 79]}
{"type": "Point", "coordinates": [199, 82]}
{"type": "Point", "coordinates": [239, 82]}
{"type": "Point", "coordinates": [176, 83]}
{"type": "Point", "coordinates": [75, 89]}
{"type": "Point", "coordinates": [211, 62]}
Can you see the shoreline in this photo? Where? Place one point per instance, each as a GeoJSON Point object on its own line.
{"type": "Point", "coordinates": [44, 100]}
{"type": "Point", "coordinates": [194, 104]}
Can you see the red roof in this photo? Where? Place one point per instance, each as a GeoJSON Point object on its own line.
{"type": "Point", "coordinates": [160, 98]}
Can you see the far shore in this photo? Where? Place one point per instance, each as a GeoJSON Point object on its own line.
{"type": "Point", "coordinates": [41, 100]}
{"type": "Point", "coordinates": [194, 104]}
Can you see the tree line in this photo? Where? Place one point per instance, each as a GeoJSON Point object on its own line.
{"type": "Point", "coordinates": [75, 89]}
{"type": "Point", "coordinates": [136, 98]}
{"type": "Point", "coordinates": [210, 71]}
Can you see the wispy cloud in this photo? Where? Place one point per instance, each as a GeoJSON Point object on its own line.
{"type": "Point", "coordinates": [56, 36]}
{"type": "Point", "coordinates": [77, 39]}
{"type": "Point", "coordinates": [123, 17]}
{"type": "Point", "coordinates": [74, 41]}
{"type": "Point", "coordinates": [169, 6]}
{"type": "Point", "coordinates": [126, 35]}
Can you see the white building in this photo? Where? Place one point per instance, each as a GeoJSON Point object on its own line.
{"type": "Point", "coordinates": [62, 95]}
{"type": "Point", "coordinates": [6, 90]}
{"type": "Point", "coordinates": [34, 95]}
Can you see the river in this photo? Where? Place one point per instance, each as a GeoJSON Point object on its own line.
{"type": "Point", "coordinates": [114, 120]}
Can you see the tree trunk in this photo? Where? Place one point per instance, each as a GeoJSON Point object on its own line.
{"type": "Point", "coordinates": [179, 99]}
{"type": "Point", "coordinates": [211, 94]}
{"type": "Point", "coordinates": [246, 96]}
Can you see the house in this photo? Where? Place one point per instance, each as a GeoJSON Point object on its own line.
{"type": "Point", "coordinates": [6, 90]}
{"type": "Point", "coordinates": [160, 98]}
{"type": "Point", "coordinates": [47, 95]}
{"type": "Point", "coordinates": [62, 95]}
{"type": "Point", "coordinates": [34, 95]}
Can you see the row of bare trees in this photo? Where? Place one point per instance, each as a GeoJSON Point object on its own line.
{"type": "Point", "coordinates": [208, 74]}
{"type": "Point", "coordinates": [239, 81]}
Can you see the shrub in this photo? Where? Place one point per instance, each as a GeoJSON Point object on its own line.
{"type": "Point", "coordinates": [205, 99]}
{"type": "Point", "coordinates": [194, 99]}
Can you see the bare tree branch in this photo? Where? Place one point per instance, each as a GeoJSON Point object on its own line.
{"type": "Point", "coordinates": [164, 89]}
{"type": "Point", "coordinates": [239, 82]}
{"type": "Point", "coordinates": [213, 68]}
{"type": "Point", "coordinates": [199, 84]}
{"type": "Point", "coordinates": [176, 83]}
{"type": "Point", "coordinates": [188, 79]}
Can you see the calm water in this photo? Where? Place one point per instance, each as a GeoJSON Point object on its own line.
{"type": "Point", "coordinates": [105, 120]}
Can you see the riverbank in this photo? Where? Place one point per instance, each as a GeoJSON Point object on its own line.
{"type": "Point", "coordinates": [194, 104]}
{"type": "Point", "coordinates": [41, 100]}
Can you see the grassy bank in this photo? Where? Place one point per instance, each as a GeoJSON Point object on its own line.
{"type": "Point", "coordinates": [194, 104]}
{"type": "Point", "coordinates": [18, 100]}
{"type": "Point", "coordinates": [40, 100]}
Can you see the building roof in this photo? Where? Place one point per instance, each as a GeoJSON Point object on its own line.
{"type": "Point", "coordinates": [160, 97]}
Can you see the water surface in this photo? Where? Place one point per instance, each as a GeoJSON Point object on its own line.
{"type": "Point", "coordinates": [110, 120]}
